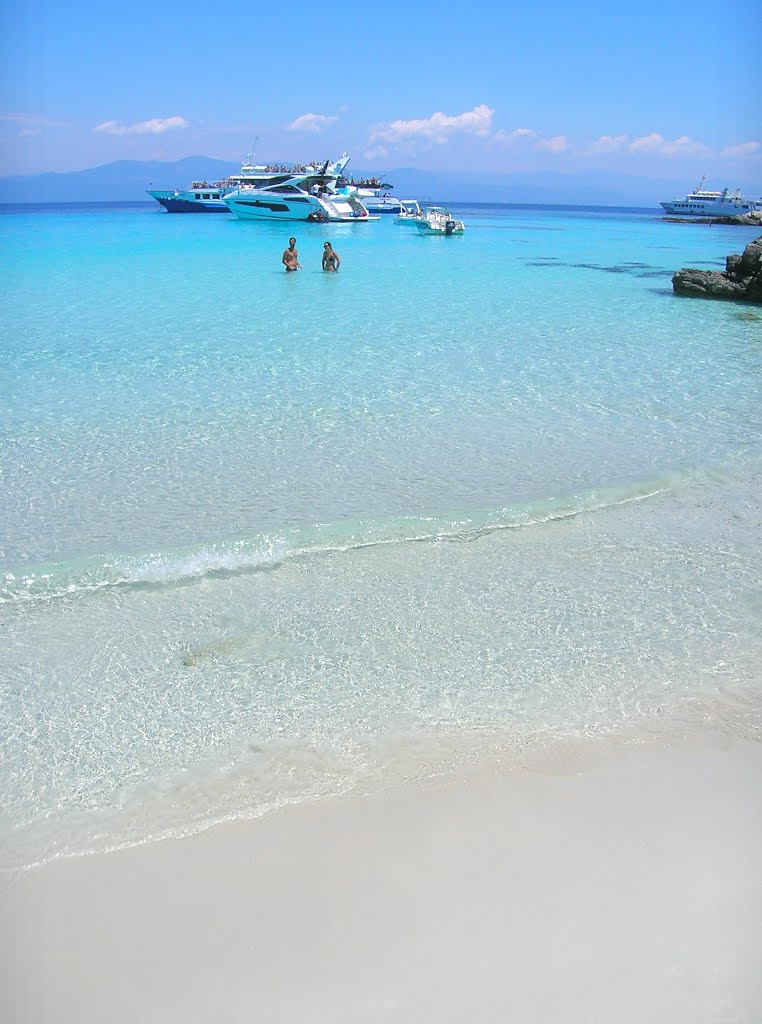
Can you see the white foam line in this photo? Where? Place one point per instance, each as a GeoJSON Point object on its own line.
{"type": "Point", "coordinates": [182, 572]}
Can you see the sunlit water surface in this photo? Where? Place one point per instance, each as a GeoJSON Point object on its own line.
{"type": "Point", "coordinates": [270, 537]}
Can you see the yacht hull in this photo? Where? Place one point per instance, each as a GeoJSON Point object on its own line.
{"type": "Point", "coordinates": [182, 204]}
{"type": "Point", "coordinates": [247, 205]}
{"type": "Point", "coordinates": [381, 204]}
{"type": "Point", "coordinates": [682, 208]}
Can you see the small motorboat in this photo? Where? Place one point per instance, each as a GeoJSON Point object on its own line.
{"type": "Point", "coordinates": [411, 210]}
{"type": "Point", "coordinates": [435, 220]}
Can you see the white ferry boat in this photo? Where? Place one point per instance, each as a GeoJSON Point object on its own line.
{"type": "Point", "coordinates": [208, 196]}
{"type": "Point", "coordinates": [201, 197]}
{"type": "Point", "coordinates": [703, 203]}
{"type": "Point", "coordinates": [306, 194]}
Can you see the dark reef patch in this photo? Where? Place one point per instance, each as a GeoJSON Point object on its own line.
{"type": "Point", "coordinates": [634, 269]}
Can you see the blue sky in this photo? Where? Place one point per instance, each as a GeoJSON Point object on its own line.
{"type": "Point", "coordinates": [662, 90]}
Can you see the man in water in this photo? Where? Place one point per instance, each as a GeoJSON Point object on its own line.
{"type": "Point", "coordinates": [290, 258]}
{"type": "Point", "coordinates": [331, 259]}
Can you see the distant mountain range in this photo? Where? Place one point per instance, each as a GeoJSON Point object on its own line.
{"type": "Point", "coordinates": [127, 181]}
{"type": "Point", "coordinates": [121, 181]}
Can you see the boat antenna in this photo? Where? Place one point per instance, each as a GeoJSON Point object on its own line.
{"type": "Point", "coordinates": [252, 151]}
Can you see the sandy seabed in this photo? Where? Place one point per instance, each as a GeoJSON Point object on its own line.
{"type": "Point", "coordinates": [626, 889]}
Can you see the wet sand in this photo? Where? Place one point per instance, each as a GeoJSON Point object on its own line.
{"type": "Point", "coordinates": [626, 889]}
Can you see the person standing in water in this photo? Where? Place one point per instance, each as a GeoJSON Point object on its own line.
{"type": "Point", "coordinates": [331, 259]}
{"type": "Point", "coordinates": [290, 258]}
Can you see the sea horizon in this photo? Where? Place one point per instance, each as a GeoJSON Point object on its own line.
{"type": "Point", "coordinates": [151, 203]}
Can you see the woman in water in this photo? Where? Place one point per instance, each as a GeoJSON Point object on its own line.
{"type": "Point", "coordinates": [331, 259]}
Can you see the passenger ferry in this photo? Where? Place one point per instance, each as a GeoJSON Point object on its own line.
{"type": "Point", "coordinates": [703, 203]}
{"type": "Point", "coordinates": [205, 196]}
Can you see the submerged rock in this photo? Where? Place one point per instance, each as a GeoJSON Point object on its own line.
{"type": "Point", "coordinates": [742, 278]}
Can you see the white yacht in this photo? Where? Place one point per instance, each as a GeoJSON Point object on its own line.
{"type": "Point", "coordinates": [703, 203]}
{"type": "Point", "coordinates": [373, 194]}
{"type": "Point", "coordinates": [377, 201]}
{"type": "Point", "coordinates": [435, 220]}
{"type": "Point", "coordinates": [310, 193]}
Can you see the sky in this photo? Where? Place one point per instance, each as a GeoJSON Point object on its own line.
{"type": "Point", "coordinates": [653, 90]}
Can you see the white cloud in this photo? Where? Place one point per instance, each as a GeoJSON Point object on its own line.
{"type": "Point", "coordinates": [436, 129]}
{"type": "Point", "coordinates": [558, 144]}
{"type": "Point", "coordinates": [742, 149]}
{"type": "Point", "coordinates": [313, 123]}
{"type": "Point", "coordinates": [155, 126]}
{"type": "Point", "coordinates": [505, 138]}
{"type": "Point", "coordinates": [530, 137]}
{"type": "Point", "coordinates": [376, 153]}
{"type": "Point", "coordinates": [610, 143]}
{"type": "Point", "coordinates": [657, 144]}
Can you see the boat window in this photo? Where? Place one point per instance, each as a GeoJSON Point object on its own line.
{"type": "Point", "coordinates": [275, 207]}
{"type": "Point", "coordinates": [197, 195]}
{"type": "Point", "coordinates": [260, 182]}
{"type": "Point", "coordinates": [216, 195]}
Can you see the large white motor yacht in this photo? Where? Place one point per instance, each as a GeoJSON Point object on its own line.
{"type": "Point", "coordinates": [308, 194]}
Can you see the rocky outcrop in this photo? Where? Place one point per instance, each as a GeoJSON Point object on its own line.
{"type": "Point", "coordinates": [742, 278]}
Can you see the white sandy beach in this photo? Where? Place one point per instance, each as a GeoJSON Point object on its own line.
{"type": "Point", "coordinates": [625, 890]}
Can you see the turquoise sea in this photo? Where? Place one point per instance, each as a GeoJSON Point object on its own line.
{"type": "Point", "coordinates": [273, 537]}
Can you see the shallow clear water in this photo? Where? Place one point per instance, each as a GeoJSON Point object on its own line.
{"type": "Point", "coordinates": [271, 536]}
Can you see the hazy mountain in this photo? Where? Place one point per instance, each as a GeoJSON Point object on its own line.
{"type": "Point", "coordinates": [121, 181]}
{"type": "Point", "coordinates": [127, 180]}
{"type": "Point", "coordinates": [522, 187]}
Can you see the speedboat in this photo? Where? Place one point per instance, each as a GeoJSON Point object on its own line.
{"type": "Point", "coordinates": [409, 212]}
{"type": "Point", "coordinates": [703, 203]}
{"type": "Point", "coordinates": [309, 193]}
{"type": "Point", "coordinates": [435, 220]}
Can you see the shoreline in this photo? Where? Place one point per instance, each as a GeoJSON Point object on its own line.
{"type": "Point", "coordinates": [622, 887]}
